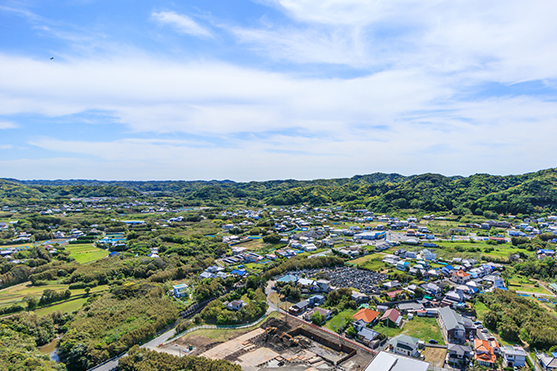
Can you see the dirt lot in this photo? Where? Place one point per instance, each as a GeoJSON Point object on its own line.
{"type": "Point", "coordinates": [435, 356]}
{"type": "Point", "coordinates": [199, 343]}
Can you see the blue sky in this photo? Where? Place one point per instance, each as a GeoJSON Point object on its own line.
{"type": "Point", "coordinates": [274, 89]}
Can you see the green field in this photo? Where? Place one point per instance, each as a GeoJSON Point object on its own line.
{"type": "Point", "coordinates": [15, 294]}
{"type": "Point", "coordinates": [372, 262]}
{"type": "Point", "coordinates": [86, 253]}
{"type": "Point", "coordinates": [448, 249]}
{"type": "Point", "coordinates": [423, 329]}
{"type": "Point", "coordinates": [342, 318]}
{"type": "Point", "coordinates": [65, 307]}
{"type": "Point", "coordinates": [520, 283]}
{"type": "Point", "coordinates": [481, 310]}
{"type": "Point", "coordinates": [382, 329]}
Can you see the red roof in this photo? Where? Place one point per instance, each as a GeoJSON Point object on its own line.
{"type": "Point", "coordinates": [392, 294]}
{"type": "Point", "coordinates": [461, 274]}
{"type": "Point", "coordinates": [484, 352]}
{"type": "Point", "coordinates": [391, 314]}
{"type": "Point", "coordinates": [367, 315]}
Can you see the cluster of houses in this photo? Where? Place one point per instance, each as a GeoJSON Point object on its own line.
{"type": "Point", "coordinates": [457, 330]}
{"type": "Point", "coordinates": [219, 272]}
{"type": "Point", "coordinates": [242, 256]}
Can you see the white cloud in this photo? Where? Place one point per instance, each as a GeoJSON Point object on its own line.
{"type": "Point", "coordinates": [6, 146]}
{"type": "Point", "coordinates": [182, 23]}
{"type": "Point", "coordinates": [498, 41]}
{"type": "Point", "coordinates": [7, 125]}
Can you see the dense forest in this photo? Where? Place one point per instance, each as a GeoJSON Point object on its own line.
{"type": "Point", "coordinates": [476, 194]}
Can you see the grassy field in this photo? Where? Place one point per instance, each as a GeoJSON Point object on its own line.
{"type": "Point", "coordinates": [15, 294]}
{"type": "Point", "coordinates": [447, 249]}
{"type": "Point", "coordinates": [66, 307]}
{"type": "Point", "coordinates": [86, 253]}
{"type": "Point", "coordinates": [423, 329]}
{"type": "Point", "coordinates": [21, 245]}
{"type": "Point", "coordinates": [393, 331]}
{"type": "Point", "coordinates": [372, 262]}
{"type": "Point", "coordinates": [344, 317]}
{"type": "Point", "coordinates": [520, 283]}
{"type": "Point", "coordinates": [481, 310]}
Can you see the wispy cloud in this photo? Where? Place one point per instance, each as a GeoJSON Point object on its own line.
{"type": "Point", "coordinates": [7, 125]}
{"type": "Point", "coordinates": [182, 23]}
{"type": "Point", "coordinates": [6, 146]}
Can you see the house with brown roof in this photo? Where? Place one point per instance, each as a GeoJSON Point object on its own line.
{"type": "Point", "coordinates": [484, 353]}
{"type": "Point", "coordinates": [367, 315]}
{"type": "Point", "coordinates": [460, 277]}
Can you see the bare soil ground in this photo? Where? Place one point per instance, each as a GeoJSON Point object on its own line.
{"type": "Point", "coordinates": [435, 356]}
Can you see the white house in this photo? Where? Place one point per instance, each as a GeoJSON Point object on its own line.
{"type": "Point", "coordinates": [236, 305]}
{"type": "Point", "coordinates": [428, 255]}
{"type": "Point", "coordinates": [180, 290]}
{"type": "Point", "coordinates": [513, 356]}
{"type": "Point", "coordinates": [405, 345]}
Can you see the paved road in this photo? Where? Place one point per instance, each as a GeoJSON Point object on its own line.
{"type": "Point", "coordinates": [111, 365]}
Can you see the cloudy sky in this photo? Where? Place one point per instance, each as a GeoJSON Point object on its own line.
{"type": "Point", "coordinates": [274, 89]}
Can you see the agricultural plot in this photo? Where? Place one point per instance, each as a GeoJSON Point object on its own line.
{"type": "Point", "coordinates": [86, 253]}
{"type": "Point", "coordinates": [66, 307]}
{"type": "Point", "coordinates": [15, 294]}
{"type": "Point", "coordinates": [520, 283]}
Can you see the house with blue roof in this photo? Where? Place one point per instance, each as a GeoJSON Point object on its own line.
{"type": "Point", "coordinates": [240, 272]}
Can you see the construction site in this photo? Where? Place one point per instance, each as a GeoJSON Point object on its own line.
{"type": "Point", "coordinates": [280, 343]}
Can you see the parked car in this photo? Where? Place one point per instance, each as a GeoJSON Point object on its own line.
{"type": "Point", "coordinates": [484, 331]}
{"type": "Point", "coordinates": [433, 341]}
{"type": "Point", "coordinates": [479, 326]}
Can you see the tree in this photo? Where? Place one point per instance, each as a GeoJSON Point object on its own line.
{"type": "Point", "coordinates": [272, 238]}
{"type": "Point", "coordinates": [317, 318]}
{"type": "Point", "coordinates": [490, 320]}
{"type": "Point", "coordinates": [351, 332]}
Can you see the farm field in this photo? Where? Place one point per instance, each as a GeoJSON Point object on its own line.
{"type": "Point", "coordinates": [66, 307]}
{"type": "Point", "coordinates": [520, 283]}
{"type": "Point", "coordinates": [447, 249]}
{"type": "Point", "coordinates": [15, 294]}
{"type": "Point", "coordinates": [86, 253]}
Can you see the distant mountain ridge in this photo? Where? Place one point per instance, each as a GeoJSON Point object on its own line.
{"type": "Point", "coordinates": [527, 193]}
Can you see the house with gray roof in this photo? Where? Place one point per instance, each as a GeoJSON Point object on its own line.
{"type": "Point", "coordinates": [458, 355]}
{"type": "Point", "coordinates": [547, 362]}
{"type": "Point", "coordinates": [456, 328]}
{"type": "Point", "coordinates": [513, 356]}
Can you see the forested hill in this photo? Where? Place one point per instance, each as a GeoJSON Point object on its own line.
{"type": "Point", "coordinates": [527, 193]}
{"type": "Point", "coordinates": [14, 190]}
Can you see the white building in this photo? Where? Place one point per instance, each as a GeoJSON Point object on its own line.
{"type": "Point", "coordinates": [513, 356]}
{"type": "Point", "coordinates": [180, 290]}
{"type": "Point", "coordinates": [385, 361]}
